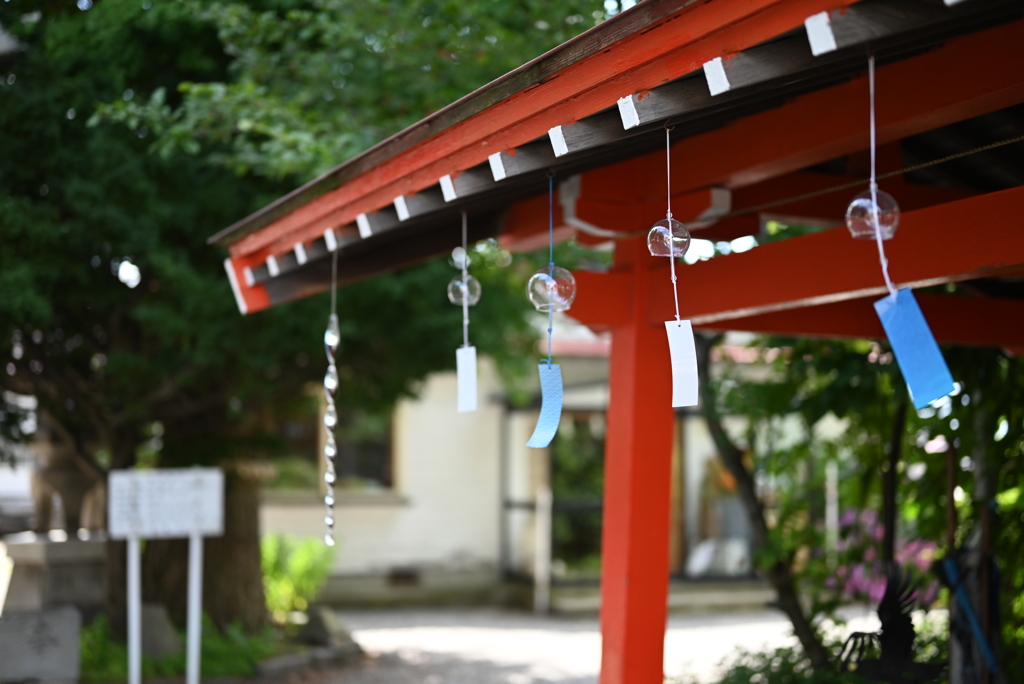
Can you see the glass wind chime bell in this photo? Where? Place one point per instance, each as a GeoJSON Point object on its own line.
{"type": "Point", "coordinates": [552, 288]}
{"type": "Point", "coordinates": [873, 214]}
{"type": "Point", "coordinates": [464, 290]}
{"type": "Point", "coordinates": [670, 238]}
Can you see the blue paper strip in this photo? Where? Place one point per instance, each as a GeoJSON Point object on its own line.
{"type": "Point", "coordinates": [550, 406]}
{"type": "Point", "coordinates": [921, 362]}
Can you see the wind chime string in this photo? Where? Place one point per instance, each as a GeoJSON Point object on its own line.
{"type": "Point", "coordinates": [551, 258]}
{"type": "Point", "coordinates": [668, 213]}
{"type": "Point", "coordinates": [465, 285]}
{"type": "Point", "coordinates": [874, 182]}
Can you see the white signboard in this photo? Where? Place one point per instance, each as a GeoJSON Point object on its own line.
{"type": "Point", "coordinates": [154, 504]}
{"type": "Point", "coordinates": [178, 502]}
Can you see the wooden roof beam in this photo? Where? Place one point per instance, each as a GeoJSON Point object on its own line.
{"type": "Point", "coordinates": [954, 320]}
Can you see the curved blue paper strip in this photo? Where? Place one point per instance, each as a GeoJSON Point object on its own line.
{"type": "Point", "coordinates": [550, 406]}
{"type": "Point", "coordinates": [917, 353]}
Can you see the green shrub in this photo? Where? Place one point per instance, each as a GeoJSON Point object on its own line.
{"type": "Point", "coordinates": [790, 666]}
{"type": "Point", "coordinates": [232, 653]}
{"type": "Point", "coordinates": [293, 572]}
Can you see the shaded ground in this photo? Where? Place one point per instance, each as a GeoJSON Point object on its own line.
{"type": "Point", "coordinates": [495, 647]}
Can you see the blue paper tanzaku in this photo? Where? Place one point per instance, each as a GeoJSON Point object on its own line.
{"type": "Point", "coordinates": [921, 362]}
{"type": "Point", "coordinates": [550, 406]}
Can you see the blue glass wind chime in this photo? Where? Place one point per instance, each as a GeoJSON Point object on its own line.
{"type": "Point", "coordinates": [550, 289]}
{"type": "Point", "coordinates": [875, 215]}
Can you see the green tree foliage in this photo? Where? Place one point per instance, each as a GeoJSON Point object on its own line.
{"type": "Point", "coordinates": [313, 83]}
{"type": "Point", "coordinates": [859, 383]}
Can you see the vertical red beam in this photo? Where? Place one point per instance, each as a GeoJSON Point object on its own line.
{"type": "Point", "coordinates": [637, 489]}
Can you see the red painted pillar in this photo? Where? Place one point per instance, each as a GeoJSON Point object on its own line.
{"type": "Point", "coordinates": [638, 469]}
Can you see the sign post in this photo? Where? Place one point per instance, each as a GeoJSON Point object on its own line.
{"type": "Point", "coordinates": [163, 504]}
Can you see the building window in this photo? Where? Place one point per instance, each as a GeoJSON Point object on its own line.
{"type": "Point", "coordinates": [364, 449]}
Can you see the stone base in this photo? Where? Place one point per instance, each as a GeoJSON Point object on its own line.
{"type": "Point", "coordinates": [40, 646]}
{"type": "Point", "coordinates": [52, 573]}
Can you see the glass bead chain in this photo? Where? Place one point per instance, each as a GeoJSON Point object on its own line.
{"type": "Point", "coordinates": [331, 339]}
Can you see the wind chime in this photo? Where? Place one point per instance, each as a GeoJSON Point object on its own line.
{"type": "Point", "coordinates": [464, 290]}
{"type": "Point", "coordinates": [670, 238]}
{"type": "Point", "coordinates": [550, 289]}
{"type": "Point", "coordinates": [874, 214]}
{"type": "Point", "coordinates": [332, 336]}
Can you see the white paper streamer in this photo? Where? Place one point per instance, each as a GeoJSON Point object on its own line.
{"type": "Point", "coordinates": [684, 363]}
{"type": "Point", "coordinates": [465, 363]}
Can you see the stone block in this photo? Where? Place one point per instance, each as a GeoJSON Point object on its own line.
{"type": "Point", "coordinates": [159, 638]}
{"type": "Point", "coordinates": [323, 629]}
{"type": "Point", "coordinates": [54, 573]}
{"type": "Point", "coordinates": [40, 646]}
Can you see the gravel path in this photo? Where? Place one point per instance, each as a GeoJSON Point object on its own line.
{"type": "Point", "coordinates": [497, 647]}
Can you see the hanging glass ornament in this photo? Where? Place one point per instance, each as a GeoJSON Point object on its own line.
{"type": "Point", "coordinates": [460, 258]}
{"type": "Point", "coordinates": [331, 378]}
{"type": "Point", "coordinates": [551, 288]}
{"type": "Point", "coordinates": [862, 213]}
{"type": "Point", "coordinates": [464, 289]}
{"type": "Point", "coordinates": [332, 336]}
{"type": "Point", "coordinates": [668, 238]}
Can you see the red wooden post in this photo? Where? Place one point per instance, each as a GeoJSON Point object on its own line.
{"type": "Point", "coordinates": [638, 469]}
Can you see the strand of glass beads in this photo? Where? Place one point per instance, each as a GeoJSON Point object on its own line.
{"type": "Point", "coordinates": [331, 338]}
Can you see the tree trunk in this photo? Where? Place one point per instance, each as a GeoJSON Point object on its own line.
{"type": "Point", "coordinates": [232, 575]}
{"type": "Point", "coordinates": [779, 574]}
{"type": "Point", "coordinates": [889, 476]}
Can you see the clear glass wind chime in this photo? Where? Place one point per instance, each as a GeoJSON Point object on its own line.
{"type": "Point", "coordinates": [550, 289]}
{"type": "Point", "coordinates": [464, 290]}
{"type": "Point", "coordinates": [670, 238]}
{"type": "Point", "coordinates": [332, 336]}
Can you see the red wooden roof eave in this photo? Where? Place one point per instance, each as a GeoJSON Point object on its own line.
{"type": "Point", "coordinates": [670, 49]}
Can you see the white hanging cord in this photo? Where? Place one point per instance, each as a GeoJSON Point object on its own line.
{"type": "Point", "coordinates": [551, 260]}
{"type": "Point", "coordinates": [465, 285]}
{"type": "Point", "coordinates": [668, 215]}
{"type": "Point", "coordinates": [334, 282]}
{"type": "Point", "coordinates": [874, 183]}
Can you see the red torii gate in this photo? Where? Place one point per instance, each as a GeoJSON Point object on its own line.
{"type": "Point", "coordinates": [785, 110]}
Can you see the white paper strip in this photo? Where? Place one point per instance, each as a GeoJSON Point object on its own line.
{"type": "Point", "coordinates": [330, 239]}
{"type": "Point", "coordinates": [300, 253]}
{"type": "Point", "coordinates": [401, 208]}
{"type": "Point", "coordinates": [465, 363]}
{"type": "Point", "coordinates": [628, 113]}
{"type": "Point", "coordinates": [714, 72]}
{"type": "Point", "coordinates": [497, 167]}
{"type": "Point", "coordinates": [448, 188]}
{"type": "Point", "coordinates": [363, 222]}
{"type": "Point", "coordinates": [558, 141]}
{"type": "Point", "coordinates": [250, 279]}
{"type": "Point", "coordinates": [233, 279]}
{"type": "Point", "coordinates": [819, 33]}
{"type": "Point", "coordinates": [272, 268]}
{"type": "Point", "coordinates": [684, 363]}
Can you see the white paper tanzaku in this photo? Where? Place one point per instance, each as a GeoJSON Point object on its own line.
{"type": "Point", "coordinates": [465, 361]}
{"type": "Point", "coordinates": [684, 363]}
